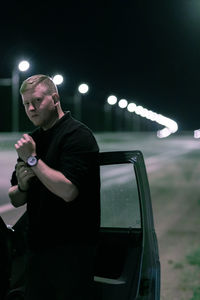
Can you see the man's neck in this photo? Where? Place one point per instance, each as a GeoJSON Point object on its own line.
{"type": "Point", "coordinates": [50, 125]}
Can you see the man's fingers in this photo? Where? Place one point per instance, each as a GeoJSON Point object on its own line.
{"type": "Point", "coordinates": [23, 172]}
{"type": "Point", "coordinates": [26, 137]}
{"type": "Point", "coordinates": [25, 176]}
{"type": "Point", "coordinates": [24, 140]}
{"type": "Point", "coordinates": [20, 163]}
{"type": "Point", "coordinates": [20, 143]}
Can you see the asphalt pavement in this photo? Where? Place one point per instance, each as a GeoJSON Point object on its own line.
{"type": "Point", "coordinates": [157, 153]}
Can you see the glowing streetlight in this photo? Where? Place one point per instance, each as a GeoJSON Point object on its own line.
{"type": "Point", "coordinates": [123, 103]}
{"type": "Point", "coordinates": [139, 110]}
{"type": "Point", "coordinates": [23, 65]}
{"type": "Point", "coordinates": [83, 88]}
{"type": "Point", "coordinates": [197, 133]}
{"type": "Point", "coordinates": [58, 79]}
{"type": "Point", "coordinates": [131, 107]}
{"type": "Point", "coordinates": [112, 100]}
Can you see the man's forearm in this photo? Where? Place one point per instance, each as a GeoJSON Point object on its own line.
{"type": "Point", "coordinates": [17, 198]}
{"type": "Point", "coordinates": [55, 181]}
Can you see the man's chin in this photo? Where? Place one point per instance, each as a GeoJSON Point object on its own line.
{"type": "Point", "coordinates": [36, 122]}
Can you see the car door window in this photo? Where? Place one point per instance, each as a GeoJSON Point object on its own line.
{"type": "Point", "coordinates": [120, 206]}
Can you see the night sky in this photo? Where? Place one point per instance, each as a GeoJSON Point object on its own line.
{"type": "Point", "coordinates": [145, 51]}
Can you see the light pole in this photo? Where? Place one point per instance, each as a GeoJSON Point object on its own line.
{"type": "Point", "coordinates": [82, 89]}
{"type": "Point", "coordinates": [108, 110]}
{"type": "Point", "coordinates": [123, 103]}
{"type": "Point", "coordinates": [22, 66]}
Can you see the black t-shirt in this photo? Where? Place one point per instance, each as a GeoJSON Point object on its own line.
{"type": "Point", "coordinates": [69, 147]}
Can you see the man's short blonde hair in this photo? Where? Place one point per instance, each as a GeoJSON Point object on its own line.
{"type": "Point", "coordinates": [33, 81]}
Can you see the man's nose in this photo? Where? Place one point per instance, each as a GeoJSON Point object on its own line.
{"type": "Point", "coordinates": [31, 107]}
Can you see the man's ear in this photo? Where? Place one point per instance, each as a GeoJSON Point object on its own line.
{"type": "Point", "coordinates": [56, 98]}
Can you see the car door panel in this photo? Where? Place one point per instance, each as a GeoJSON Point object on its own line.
{"type": "Point", "coordinates": [127, 263]}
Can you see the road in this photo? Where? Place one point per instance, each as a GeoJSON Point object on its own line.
{"type": "Point", "coordinates": [157, 153]}
{"type": "Point", "coordinates": [173, 167]}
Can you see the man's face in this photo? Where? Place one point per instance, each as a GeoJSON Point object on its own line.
{"type": "Point", "coordinates": [40, 107]}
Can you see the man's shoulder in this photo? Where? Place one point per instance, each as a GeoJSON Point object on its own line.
{"type": "Point", "coordinates": [75, 132]}
{"type": "Point", "coordinates": [73, 126]}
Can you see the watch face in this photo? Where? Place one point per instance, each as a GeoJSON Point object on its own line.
{"type": "Point", "coordinates": [32, 161]}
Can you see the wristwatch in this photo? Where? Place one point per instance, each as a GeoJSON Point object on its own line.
{"type": "Point", "coordinates": [32, 161]}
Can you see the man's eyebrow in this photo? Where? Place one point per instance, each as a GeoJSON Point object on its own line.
{"type": "Point", "coordinates": [32, 99]}
{"type": "Point", "coordinates": [27, 101]}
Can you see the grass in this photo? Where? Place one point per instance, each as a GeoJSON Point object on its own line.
{"type": "Point", "coordinates": [196, 295]}
{"type": "Point", "coordinates": [194, 259]}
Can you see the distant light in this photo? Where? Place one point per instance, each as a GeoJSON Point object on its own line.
{"type": "Point", "coordinates": [58, 79]}
{"type": "Point", "coordinates": [151, 115]}
{"type": "Point", "coordinates": [23, 65]}
{"type": "Point", "coordinates": [131, 107]}
{"type": "Point", "coordinates": [123, 103]}
{"type": "Point", "coordinates": [83, 88]}
{"type": "Point", "coordinates": [165, 132]}
{"type": "Point", "coordinates": [139, 110]}
{"type": "Point", "coordinates": [145, 113]}
{"type": "Point", "coordinates": [197, 134]}
{"type": "Point", "coordinates": [112, 100]}
{"type": "Point", "coordinates": [172, 125]}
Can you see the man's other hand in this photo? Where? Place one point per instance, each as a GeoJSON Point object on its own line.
{"type": "Point", "coordinates": [24, 175]}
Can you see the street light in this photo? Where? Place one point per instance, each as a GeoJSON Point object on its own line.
{"type": "Point", "coordinates": [123, 103]}
{"type": "Point", "coordinates": [109, 112]}
{"type": "Point", "coordinates": [22, 66]}
{"type": "Point", "coordinates": [82, 89]}
{"type": "Point", "coordinates": [131, 107]}
{"type": "Point", "coordinates": [112, 100]}
{"type": "Point", "coordinates": [58, 79]}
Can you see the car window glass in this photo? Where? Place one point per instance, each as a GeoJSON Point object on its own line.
{"type": "Point", "coordinates": [119, 197]}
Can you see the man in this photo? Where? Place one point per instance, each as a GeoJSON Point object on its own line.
{"type": "Point", "coordinates": [57, 176]}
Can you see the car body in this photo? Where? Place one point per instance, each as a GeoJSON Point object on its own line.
{"type": "Point", "coordinates": [127, 263]}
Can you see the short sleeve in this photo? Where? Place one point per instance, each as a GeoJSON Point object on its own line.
{"type": "Point", "coordinates": [79, 159]}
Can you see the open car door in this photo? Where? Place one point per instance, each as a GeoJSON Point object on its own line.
{"type": "Point", "coordinates": [127, 262]}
